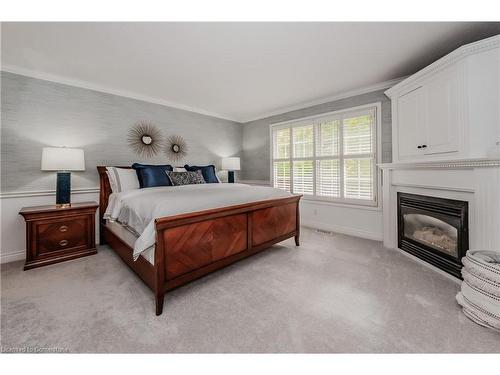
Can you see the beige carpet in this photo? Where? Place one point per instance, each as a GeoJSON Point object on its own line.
{"type": "Point", "coordinates": [333, 294]}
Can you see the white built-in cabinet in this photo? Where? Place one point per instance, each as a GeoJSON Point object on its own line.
{"type": "Point", "coordinates": [451, 109]}
{"type": "Point", "coordinates": [410, 119]}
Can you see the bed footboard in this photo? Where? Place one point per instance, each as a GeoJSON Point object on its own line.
{"type": "Point", "coordinates": [192, 245]}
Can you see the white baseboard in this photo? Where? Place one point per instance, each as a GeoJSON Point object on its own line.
{"type": "Point", "coordinates": [20, 255]}
{"type": "Point", "coordinates": [12, 257]}
{"type": "Point", "coordinates": [341, 229]}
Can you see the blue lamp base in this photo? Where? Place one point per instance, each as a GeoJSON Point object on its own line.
{"type": "Point", "coordinates": [230, 177]}
{"type": "Point", "coordinates": [63, 190]}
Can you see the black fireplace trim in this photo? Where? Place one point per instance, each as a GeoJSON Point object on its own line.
{"type": "Point", "coordinates": [441, 207]}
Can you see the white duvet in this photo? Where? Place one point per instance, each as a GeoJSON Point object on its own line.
{"type": "Point", "coordinates": [137, 209]}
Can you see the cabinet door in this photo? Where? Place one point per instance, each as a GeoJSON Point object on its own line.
{"type": "Point", "coordinates": [410, 125]}
{"type": "Point", "coordinates": [442, 124]}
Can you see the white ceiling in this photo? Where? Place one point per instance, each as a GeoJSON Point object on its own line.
{"type": "Point", "coordinates": [238, 71]}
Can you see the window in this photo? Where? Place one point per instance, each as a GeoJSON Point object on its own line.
{"type": "Point", "coordinates": [328, 157]}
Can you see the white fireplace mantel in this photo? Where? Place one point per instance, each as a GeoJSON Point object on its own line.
{"type": "Point", "coordinates": [453, 164]}
{"type": "Point", "coordinates": [476, 181]}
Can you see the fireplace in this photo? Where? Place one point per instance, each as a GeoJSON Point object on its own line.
{"type": "Point", "coordinates": [434, 230]}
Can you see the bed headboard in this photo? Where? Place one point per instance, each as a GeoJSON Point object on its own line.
{"type": "Point", "coordinates": [104, 190]}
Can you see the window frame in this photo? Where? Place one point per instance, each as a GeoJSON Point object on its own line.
{"type": "Point", "coordinates": [324, 117]}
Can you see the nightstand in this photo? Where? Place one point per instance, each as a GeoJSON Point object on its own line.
{"type": "Point", "coordinates": [57, 234]}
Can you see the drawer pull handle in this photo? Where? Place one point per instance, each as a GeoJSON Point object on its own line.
{"type": "Point", "coordinates": [63, 228]}
{"type": "Point", "coordinates": [63, 242]}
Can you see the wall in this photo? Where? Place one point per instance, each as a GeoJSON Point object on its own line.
{"type": "Point", "coordinates": [256, 150]}
{"type": "Point", "coordinates": [358, 221]}
{"type": "Point", "coordinates": [38, 113]}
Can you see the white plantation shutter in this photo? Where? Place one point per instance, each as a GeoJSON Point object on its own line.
{"type": "Point", "coordinates": [281, 175]}
{"type": "Point", "coordinates": [328, 170]}
{"type": "Point", "coordinates": [330, 157]}
{"type": "Point", "coordinates": [303, 141]}
{"type": "Point", "coordinates": [327, 138]}
{"type": "Point", "coordinates": [303, 177]}
{"type": "Point", "coordinates": [328, 178]}
{"type": "Point", "coordinates": [281, 143]}
{"type": "Point", "coordinates": [358, 178]}
{"type": "Point", "coordinates": [281, 163]}
{"type": "Point", "coordinates": [357, 132]}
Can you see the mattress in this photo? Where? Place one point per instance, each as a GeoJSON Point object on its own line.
{"type": "Point", "coordinates": [137, 209]}
{"type": "Point", "coordinates": [129, 238]}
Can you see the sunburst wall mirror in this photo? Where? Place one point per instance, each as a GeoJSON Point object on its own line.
{"type": "Point", "coordinates": [175, 148]}
{"type": "Point", "coordinates": [145, 139]}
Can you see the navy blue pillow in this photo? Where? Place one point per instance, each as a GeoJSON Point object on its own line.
{"type": "Point", "coordinates": [152, 175]}
{"type": "Point", "coordinates": [208, 172]}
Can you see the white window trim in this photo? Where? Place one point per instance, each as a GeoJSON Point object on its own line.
{"type": "Point", "coordinates": [344, 202]}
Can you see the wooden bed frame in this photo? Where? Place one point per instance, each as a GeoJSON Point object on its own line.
{"type": "Point", "coordinates": [189, 246]}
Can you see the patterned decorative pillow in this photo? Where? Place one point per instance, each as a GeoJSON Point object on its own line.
{"type": "Point", "coordinates": [185, 178]}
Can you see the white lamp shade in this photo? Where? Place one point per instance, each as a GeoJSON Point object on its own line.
{"type": "Point", "coordinates": [231, 164]}
{"type": "Point", "coordinates": [62, 159]}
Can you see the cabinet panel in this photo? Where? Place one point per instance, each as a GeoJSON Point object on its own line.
{"type": "Point", "coordinates": [410, 124]}
{"type": "Point", "coordinates": [442, 123]}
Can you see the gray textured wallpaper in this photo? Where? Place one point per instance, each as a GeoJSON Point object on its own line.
{"type": "Point", "coordinates": [256, 149]}
{"type": "Point", "coordinates": [37, 113]}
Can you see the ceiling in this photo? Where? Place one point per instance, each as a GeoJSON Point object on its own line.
{"type": "Point", "coordinates": [238, 71]}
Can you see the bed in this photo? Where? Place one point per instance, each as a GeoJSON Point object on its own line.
{"type": "Point", "coordinates": [189, 245]}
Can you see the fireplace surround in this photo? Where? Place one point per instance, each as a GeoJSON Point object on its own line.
{"type": "Point", "coordinates": [476, 182]}
{"type": "Point", "coordinates": [434, 230]}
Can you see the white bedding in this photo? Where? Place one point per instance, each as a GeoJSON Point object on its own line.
{"type": "Point", "coordinates": [137, 209]}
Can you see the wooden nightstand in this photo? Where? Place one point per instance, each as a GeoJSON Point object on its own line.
{"type": "Point", "coordinates": [57, 234]}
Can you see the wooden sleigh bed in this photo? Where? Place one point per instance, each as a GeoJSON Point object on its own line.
{"type": "Point", "coordinates": [189, 246]}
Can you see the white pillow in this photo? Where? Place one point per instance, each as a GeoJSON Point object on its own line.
{"type": "Point", "coordinates": [179, 169]}
{"type": "Point", "coordinates": [122, 179]}
{"type": "Point", "coordinates": [217, 175]}
{"type": "Point", "coordinates": [111, 180]}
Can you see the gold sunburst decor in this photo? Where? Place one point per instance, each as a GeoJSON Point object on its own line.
{"type": "Point", "coordinates": [145, 139]}
{"type": "Point", "coordinates": [175, 148]}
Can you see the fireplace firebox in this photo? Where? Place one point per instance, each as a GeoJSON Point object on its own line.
{"type": "Point", "coordinates": [434, 229]}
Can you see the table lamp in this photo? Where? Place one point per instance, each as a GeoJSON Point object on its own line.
{"type": "Point", "coordinates": [63, 160]}
{"type": "Point", "coordinates": [231, 164]}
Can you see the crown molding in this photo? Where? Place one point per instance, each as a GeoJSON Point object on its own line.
{"type": "Point", "coordinates": [127, 94]}
{"type": "Point", "coordinates": [110, 90]}
{"type": "Point", "coordinates": [451, 58]}
{"type": "Point", "coordinates": [327, 99]}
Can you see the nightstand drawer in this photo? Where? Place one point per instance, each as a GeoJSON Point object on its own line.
{"type": "Point", "coordinates": [64, 234]}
